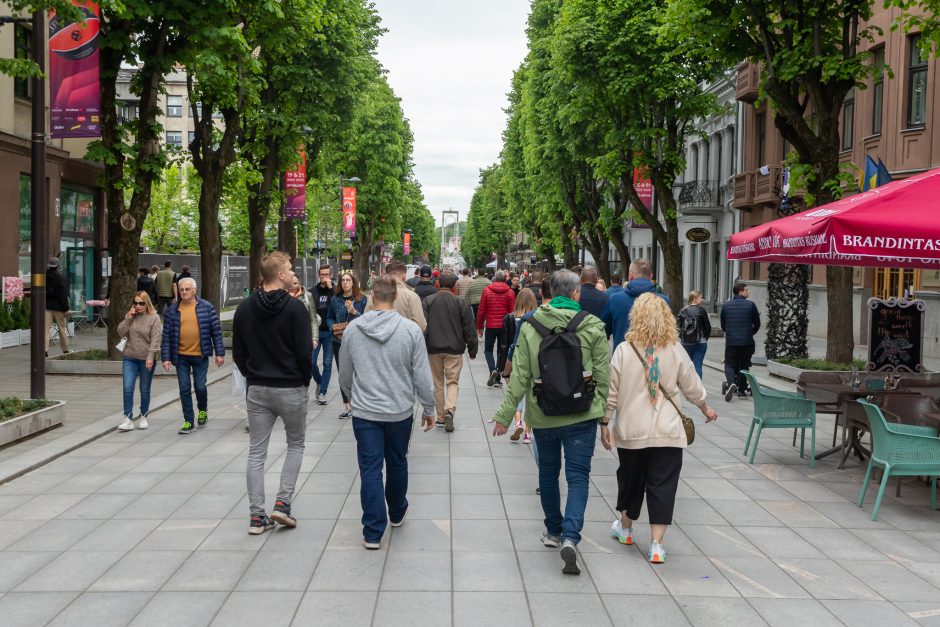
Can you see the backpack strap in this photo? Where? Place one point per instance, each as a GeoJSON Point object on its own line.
{"type": "Point", "coordinates": [575, 322]}
{"type": "Point", "coordinates": [542, 330]}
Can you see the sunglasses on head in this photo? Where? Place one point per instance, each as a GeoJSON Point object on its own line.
{"type": "Point", "coordinates": [138, 303]}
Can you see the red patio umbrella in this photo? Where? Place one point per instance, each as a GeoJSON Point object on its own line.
{"type": "Point", "coordinates": [895, 226]}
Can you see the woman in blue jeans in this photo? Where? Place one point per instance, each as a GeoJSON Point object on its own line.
{"type": "Point", "coordinates": [144, 331]}
{"type": "Point", "coordinates": [694, 330]}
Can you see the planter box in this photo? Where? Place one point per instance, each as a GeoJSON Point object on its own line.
{"type": "Point", "coordinates": [9, 339]}
{"type": "Point", "coordinates": [792, 373]}
{"type": "Point", "coordinates": [33, 422]}
{"type": "Point", "coordinates": [95, 367]}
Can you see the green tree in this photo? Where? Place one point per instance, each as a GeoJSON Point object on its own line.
{"type": "Point", "coordinates": [810, 58]}
{"type": "Point", "coordinates": [416, 216]}
{"type": "Point", "coordinates": [173, 218]}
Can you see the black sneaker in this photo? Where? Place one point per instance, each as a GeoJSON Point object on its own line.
{"type": "Point", "coordinates": [742, 396]}
{"type": "Point", "coordinates": [448, 422]}
{"type": "Point", "coordinates": [494, 376]}
{"type": "Point", "coordinates": [729, 392]}
{"type": "Point", "coordinates": [260, 524]}
{"type": "Point", "coordinates": [281, 514]}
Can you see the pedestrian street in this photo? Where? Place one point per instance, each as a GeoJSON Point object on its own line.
{"type": "Point", "coordinates": [150, 528]}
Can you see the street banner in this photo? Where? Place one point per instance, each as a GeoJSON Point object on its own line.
{"type": "Point", "coordinates": [406, 247]}
{"type": "Point", "coordinates": [74, 87]}
{"type": "Point", "coordinates": [295, 187]}
{"type": "Point", "coordinates": [644, 189]}
{"type": "Point", "coordinates": [349, 210]}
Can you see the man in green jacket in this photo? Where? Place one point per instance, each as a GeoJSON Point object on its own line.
{"type": "Point", "coordinates": [475, 292]}
{"type": "Point", "coordinates": [574, 434]}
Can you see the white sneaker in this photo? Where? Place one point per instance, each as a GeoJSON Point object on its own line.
{"type": "Point", "coordinates": [624, 536]}
{"type": "Point", "coordinates": [127, 425]}
{"type": "Point", "coordinates": [142, 423]}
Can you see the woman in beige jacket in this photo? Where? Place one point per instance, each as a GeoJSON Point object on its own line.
{"type": "Point", "coordinates": [144, 331]}
{"type": "Point", "coordinates": [647, 430]}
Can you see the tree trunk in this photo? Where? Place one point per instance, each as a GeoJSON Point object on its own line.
{"type": "Point", "coordinates": [259, 206]}
{"type": "Point", "coordinates": [672, 262]}
{"type": "Point", "coordinates": [622, 251]}
{"type": "Point", "coordinates": [840, 338]}
{"type": "Point", "coordinates": [210, 238]}
{"type": "Point", "coordinates": [568, 252]}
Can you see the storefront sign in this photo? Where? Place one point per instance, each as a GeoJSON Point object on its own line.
{"type": "Point", "coordinates": [895, 335]}
{"type": "Point", "coordinates": [698, 234]}
{"type": "Point", "coordinates": [74, 87]}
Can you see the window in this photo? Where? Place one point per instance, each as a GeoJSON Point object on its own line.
{"type": "Point", "coordinates": [174, 138]}
{"type": "Point", "coordinates": [916, 85]}
{"type": "Point", "coordinates": [23, 49]}
{"type": "Point", "coordinates": [192, 136]}
{"type": "Point", "coordinates": [174, 106]}
{"type": "Point", "coordinates": [128, 111]}
{"type": "Point", "coordinates": [877, 91]}
{"type": "Point", "coordinates": [761, 139]}
{"type": "Point", "coordinates": [848, 120]}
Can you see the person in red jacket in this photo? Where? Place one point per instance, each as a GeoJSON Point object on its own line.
{"type": "Point", "coordinates": [498, 300]}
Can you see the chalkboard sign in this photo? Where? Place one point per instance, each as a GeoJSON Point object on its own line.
{"type": "Point", "coordinates": [895, 335]}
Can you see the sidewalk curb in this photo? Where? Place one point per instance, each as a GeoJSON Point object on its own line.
{"type": "Point", "coordinates": [42, 455]}
{"type": "Point", "coordinates": [765, 380]}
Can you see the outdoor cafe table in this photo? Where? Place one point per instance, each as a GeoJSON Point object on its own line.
{"type": "Point", "coordinates": [845, 393]}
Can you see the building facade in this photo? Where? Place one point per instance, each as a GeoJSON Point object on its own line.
{"type": "Point", "coordinates": [892, 119]}
{"type": "Point", "coordinates": [76, 208]}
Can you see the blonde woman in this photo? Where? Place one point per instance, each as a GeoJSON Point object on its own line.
{"type": "Point", "coordinates": [144, 331]}
{"type": "Point", "coordinates": [647, 431]}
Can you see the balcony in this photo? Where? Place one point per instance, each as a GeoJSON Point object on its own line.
{"type": "Point", "coordinates": [746, 88]}
{"type": "Point", "coordinates": [743, 190]}
{"type": "Point", "coordinates": [699, 197]}
{"type": "Point", "coordinates": [767, 186]}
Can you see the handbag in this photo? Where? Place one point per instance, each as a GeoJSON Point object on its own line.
{"type": "Point", "coordinates": [687, 422]}
{"type": "Point", "coordinates": [122, 344]}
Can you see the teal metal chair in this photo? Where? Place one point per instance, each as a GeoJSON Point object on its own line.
{"type": "Point", "coordinates": [901, 450]}
{"type": "Point", "coordinates": [776, 409]}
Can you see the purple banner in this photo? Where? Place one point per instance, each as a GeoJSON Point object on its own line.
{"type": "Point", "coordinates": [74, 87]}
{"type": "Point", "coordinates": [295, 186]}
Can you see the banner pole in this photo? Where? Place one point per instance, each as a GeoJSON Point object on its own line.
{"type": "Point", "coordinates": [40, 215]}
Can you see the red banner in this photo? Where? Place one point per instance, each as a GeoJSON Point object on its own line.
{"type": "Point", "coordinates": [295, 187]}
{"type": "Point", "coordinates": [406, 246]}
{"type": "Point", "coordinates": [74, 87]}
{"type": "Point", "coordinates": [349, 210]}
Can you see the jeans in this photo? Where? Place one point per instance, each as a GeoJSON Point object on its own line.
{"type": "Point", "coordinates": [697, 355]}
{"type": "Point", "coordinates": [131, 370]}
{"type": "Point", "coordinates": [577, 441]}
{"type": "Point", "coordinates": [491, 337]}
{"type": "Point", "coordinates": [378, 442]}
{"type": "Point", "coordinates": [326, 344]}
{"type": "Point", "coordinates": [200, 368]}
{"type": "Point", "coordinates": [738, 358]}
{"type": "Point", "coordinates": [264, 405]}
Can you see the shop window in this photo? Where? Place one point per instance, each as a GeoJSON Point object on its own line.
{"type": "Point", "coordinates": [877, 91]}
{"type": "Point", "coordinates": [896, 282]}
{"type": "Point", "coordinates": [916, 84]}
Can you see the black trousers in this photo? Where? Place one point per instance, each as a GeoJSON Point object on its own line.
{"type": "Point", "coordinates": [338, 344]}
{"type": "Point", "coordinates": [653, 472]}
{"type": "Point", "coordinates": [737, 358]}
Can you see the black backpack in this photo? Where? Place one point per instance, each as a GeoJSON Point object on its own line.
{"type": "Point", "coordinates": [563, 387]}
{"type": "Point", "coordinates": [689, 327]}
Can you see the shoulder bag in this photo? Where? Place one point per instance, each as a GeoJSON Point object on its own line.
{"type": "Point", "coordinates": [687, 422]}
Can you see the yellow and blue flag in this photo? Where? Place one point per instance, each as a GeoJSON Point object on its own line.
{"type": "Point", "coordinates": [870, 177]}
{"type": "Point", "coordinates": [884, 177]}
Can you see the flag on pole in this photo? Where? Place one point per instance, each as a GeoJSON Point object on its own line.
{"type": "Point", "coordinates": [870, 177]}
{"type": "Point", "coordinates": [74, 85]}
{"type": "Point", "coordinates": [884, 177]}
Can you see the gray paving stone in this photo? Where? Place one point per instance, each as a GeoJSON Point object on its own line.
{"type": "Point", "coordinates": [567, 608]}
{"type": "Point", "coordinates": [116, 535]}
{"type": "Point", "coordinates": [629, 610]}
{"type": "Point", "coordinates": [625, 572]}
{"type": "Point", "coordinates": [349, 569]}
{"type": "Point", "coordinates": [789, 612]}
{"type": "Point", "coordinates": [179, 534]}
{"type": "Point", "coordinates": [283, 571]}
{"type": "Point", "coordinates": [719, 541]}
{"type": "Point", "coordinates": [893, 581]}
{"type": "Point", "coordinates": [688, 575]}
{"type": "Point", "coordinates": [307, 536]}
{"type": "Point", "coordinates": [923, 613]}
{"type": "Point", "coordinates": [13, 530]}
{"type": "Point", "coordinates": [72, 571]}
{"type": "Point", "coordinates": [33, 608]}
{"type": "Point", "coordinates": [759, 577]}
{"type": "Point", "coordinates": [150, 506]}
{"type": "Point", "coordinates": [103, 608]}
{"type": "Point", "coordinates": [210, 571]}
{"type": "Point", "coordinates": [415, 609]}
{"type": "Point", "coordinates": [53, 535]}
{"type": "Point", "coordinates": [181, 609]}
{"type": "Point", "coordinates": [491, 608]}
{"type": "Point", "coordinates": [421, 535]}
{"type": "Point", "coordinates": [477, 484]}
{"type": "Point", "coordinates": [336, 609]}
{"type": "Point", "coordinates": [17, 566]}
{"type": "Point", "coordinates": [898, 545]}
{"type": "Point", "coordinates": [868, 613]}
{"type": "Point", "coordinates": [417, 570]}
{"type": "Point", "coordinates": [541, 572]}
{"type": "Point", "coordinates": [140, 571]}
{"type": "Point", "coordinates": [797, 514]}
{"type": "Point", "coordinates": [43, 506]}
{"type": "Point", "coordinates": [712, 612]}
{"type": "Point", "coordinates": [258, 608]}
{"type": "Point", "coordinates": [490, 571]}
{"type": "Point", "coordinates": [232, 534]}
{"type": "Point", "coordinates": [825, 579]}
{"type": "Point", "coordinates": [207, 505]}
{"type": "Point", "coordinates": [487, 535]}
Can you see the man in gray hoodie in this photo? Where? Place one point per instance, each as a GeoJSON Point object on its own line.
{"type": "Point", "coordinates": [385, 367]}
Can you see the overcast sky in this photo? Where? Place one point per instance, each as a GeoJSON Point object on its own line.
{"type": "Point", "coordinates": [451, 63]}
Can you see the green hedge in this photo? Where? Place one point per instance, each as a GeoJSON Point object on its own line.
{"type": "Point", "coordinates": [806, 363]}
{"type": "Point", "coordinates": [11, 407]}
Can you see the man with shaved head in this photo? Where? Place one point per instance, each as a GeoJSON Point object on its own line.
{"type": "Point", "coordinates": [191, 333]}
{"type": "Point", "coordinates": [592, 299]}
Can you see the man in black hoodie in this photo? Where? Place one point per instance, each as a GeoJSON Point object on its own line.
{"type": "Point", "coordinates": [271, 341]}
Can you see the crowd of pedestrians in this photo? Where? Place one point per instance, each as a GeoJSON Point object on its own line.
{"type": "Point", "coordinates": [582, 362]}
